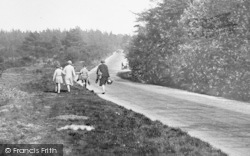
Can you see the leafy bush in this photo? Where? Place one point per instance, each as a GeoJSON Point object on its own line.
{"type": "Point", "coordinates": [1, 60]}
{"type": "Point", "coordinates": [194, 46]}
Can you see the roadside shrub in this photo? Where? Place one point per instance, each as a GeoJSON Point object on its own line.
{"type": "Point", "coordinates": [195, 47]}
{"type": "Point", "coordinates": [128, 76]}
{"type": "Point", "coordinates": [1, 60]}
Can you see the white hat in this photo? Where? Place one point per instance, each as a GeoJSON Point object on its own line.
{"type": "Point", "coordinates": [69, 62]}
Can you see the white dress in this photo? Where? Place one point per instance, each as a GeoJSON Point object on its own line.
{"type": "Point", "coordinates": [57, 77]}
{"type": "Point", "coordinates": [69, 74]}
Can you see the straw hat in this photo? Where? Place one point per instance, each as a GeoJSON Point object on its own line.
{"type": "Point", "coordinates": [69, 62]}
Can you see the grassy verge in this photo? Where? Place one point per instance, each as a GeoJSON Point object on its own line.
{"type": "Point", "coordinates": [118, 131]}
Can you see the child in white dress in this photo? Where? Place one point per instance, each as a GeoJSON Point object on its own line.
{"type": "Point", "coordinates": [57, 78]}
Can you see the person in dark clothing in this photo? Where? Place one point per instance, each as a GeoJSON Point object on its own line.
{"type": "Point", "coordinates": [102, 75]}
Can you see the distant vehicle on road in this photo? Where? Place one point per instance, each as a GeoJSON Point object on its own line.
{"type": "Point", "coordinates": [119, 51]}
{"type": "Point", "coordinates": [124, 64]}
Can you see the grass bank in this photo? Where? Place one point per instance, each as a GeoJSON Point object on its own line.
{"type": "Point", "coordinates": [117, 131]}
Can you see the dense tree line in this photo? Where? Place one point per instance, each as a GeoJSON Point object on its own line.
{"type": "Point", "coordinates": [24, 48]}
{"type": "Point", "coordinates": [197, 45]}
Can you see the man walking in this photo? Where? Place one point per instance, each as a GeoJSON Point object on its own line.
{"type": "Point", "coordinates": [69, 75]}
{"type": "Point", "coordinates": [103, 75]}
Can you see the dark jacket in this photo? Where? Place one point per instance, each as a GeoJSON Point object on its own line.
{"type": "Point", "coordinates": [103, 68]}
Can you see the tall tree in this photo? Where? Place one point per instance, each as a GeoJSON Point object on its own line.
{"type": "Point", "coordinates": [30, 45]}
{"type": "Point", "coordinates": [158, 38]}
{"type": "Point", "coordinates": [73, 38]}
{"type": "Point", "coordinates": [200, 44]}
{"type": "Point", "coordinates": [215, 54]}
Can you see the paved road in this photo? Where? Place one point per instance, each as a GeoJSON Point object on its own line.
{"type": "Point", "coordinates": [223, 123]}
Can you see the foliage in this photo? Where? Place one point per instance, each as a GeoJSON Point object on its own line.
{"type": "Point", "coordinates": [60, 46]}
{"type": "Point", "coordinates": [200, 46]}
{"type": "Point", "coordinates": [1, 59]}
{"type": "Point", "coordinates": [150, 51]}
{"type": "Point", "coordinates": [215, 61]}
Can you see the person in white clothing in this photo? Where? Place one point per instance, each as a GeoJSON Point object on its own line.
{"type": "Point", "coordinates": [69, 75]}
{"type": "Point", "coordinates": [57, 78]}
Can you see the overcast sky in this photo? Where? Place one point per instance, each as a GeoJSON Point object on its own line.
{"type": "Point", "coordinates": [106, 15]}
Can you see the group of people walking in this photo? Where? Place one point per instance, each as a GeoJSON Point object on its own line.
{"type": "Point", "coordinates": [68, 72]}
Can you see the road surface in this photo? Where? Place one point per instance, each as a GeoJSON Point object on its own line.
{"type": "Point", "coordinates": [225, 124]}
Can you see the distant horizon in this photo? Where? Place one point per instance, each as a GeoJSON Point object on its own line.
{"type": "Point", "coordinates": [2, 30]}
{"type": "Point", "coordinates": [112, 16]}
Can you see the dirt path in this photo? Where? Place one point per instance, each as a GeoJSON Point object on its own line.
{"type": "Point", "coordinates": [223, 123]}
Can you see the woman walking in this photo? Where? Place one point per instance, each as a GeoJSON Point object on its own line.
{"type": "Point", "coordinates": [69, 75]}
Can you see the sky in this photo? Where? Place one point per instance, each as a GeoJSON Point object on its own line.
{"type": "Point", "coordinates": [116, 16]}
